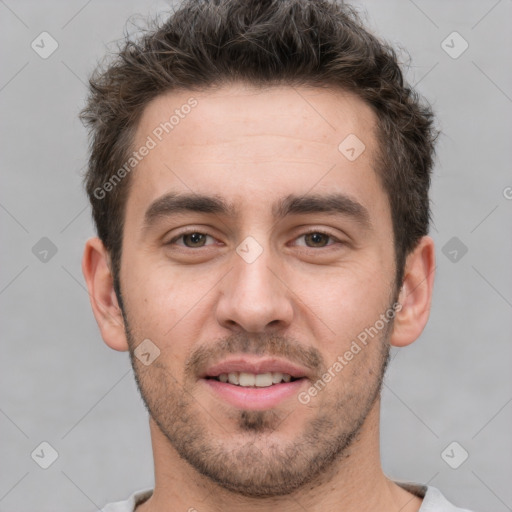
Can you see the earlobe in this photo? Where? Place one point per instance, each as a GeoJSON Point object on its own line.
{"type": "Point", "coordinates": [96, 270]}
{"type": "Point", "coordinates": [415, 295]}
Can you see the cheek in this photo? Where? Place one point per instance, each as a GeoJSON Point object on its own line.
{"type": "Point", "coordinates": [340, 312]}
{"type": "Point", "coordinates": [351, 294]}
{"type": "Point", "coordinates": [163, 302]}
{"type": "Point", "coordinates": [147, 296]}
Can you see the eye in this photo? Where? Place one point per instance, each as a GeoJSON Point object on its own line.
{"type": "Point", "coordinates": [192, 239]}
{"type": "Point", "coordinates": [316, 239]}
{"type": "Point", "coordinates": [197, 239]}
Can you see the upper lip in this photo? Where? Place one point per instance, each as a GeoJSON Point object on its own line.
{"type": "Point", "coordinates": [256, 366]}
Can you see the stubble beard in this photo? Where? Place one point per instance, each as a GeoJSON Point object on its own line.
{"type": "Point", "coordinates": [260, 466]}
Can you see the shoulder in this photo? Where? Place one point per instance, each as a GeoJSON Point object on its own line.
{"type": "Point", "coordinates": [129, 505]}
{"type": "Point", "coordinates": [434, 501]}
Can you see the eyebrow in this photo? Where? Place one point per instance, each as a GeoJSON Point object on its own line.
{"type": "Point", "coordinates": [334, 204]}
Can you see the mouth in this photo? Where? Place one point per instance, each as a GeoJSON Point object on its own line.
{"type": "Point", "coordinates": [251, 380]}
{"type": "Point", "coordinates": [254, 385]}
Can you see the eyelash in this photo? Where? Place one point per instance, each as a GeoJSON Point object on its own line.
{"type": "Point", "coordinates": [315, 231]}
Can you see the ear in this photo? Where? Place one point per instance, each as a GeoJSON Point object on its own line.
{"type": "Point", "coordinates": [96, 270]}
{"type": "Point", "coordinates": [415, 295]}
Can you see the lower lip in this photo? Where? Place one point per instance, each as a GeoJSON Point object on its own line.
{"type": "Point", "coordinates": [255, 399]}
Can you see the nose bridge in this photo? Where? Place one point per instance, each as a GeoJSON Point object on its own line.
{"type": "Point", "coordinates": [253, 275]}
{"type": "Point", "coordinates": [252, 296]}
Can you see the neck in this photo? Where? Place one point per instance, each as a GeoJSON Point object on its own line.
{"type": "Point", "coordinates": [354, 483]}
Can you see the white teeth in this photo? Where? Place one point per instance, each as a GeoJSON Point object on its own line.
{"type": "Point", "coordinates": [261, 380]}
{"type": "Point", "coordinates": [277, 377]}
{"type": "Point", "coordinates": [233, 378]}
{"type": "Point", "coordinates": [247, 379]}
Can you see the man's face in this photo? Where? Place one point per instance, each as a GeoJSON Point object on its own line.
{"type": "Point", "coordinates": [271, 279]}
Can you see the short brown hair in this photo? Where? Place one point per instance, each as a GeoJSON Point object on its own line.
{"type": "Point", "coordinates": [262, 42]}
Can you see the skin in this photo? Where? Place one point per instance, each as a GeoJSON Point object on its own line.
{"type": "Point", "coordinates": [304, 298]}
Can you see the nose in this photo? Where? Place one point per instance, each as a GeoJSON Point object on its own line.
{"type": "Point", "coordinates": [254, 296]}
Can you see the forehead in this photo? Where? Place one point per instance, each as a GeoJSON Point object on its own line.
{"type": "Point", "coordinates": [252, 144]}
{"type": "Point", "coordinates": [317, 115]}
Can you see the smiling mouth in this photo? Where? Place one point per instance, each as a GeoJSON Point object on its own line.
{"type": "Point", "coordinates": [254, 391]}
{"type": "Point", "coordinates": [251, 380]}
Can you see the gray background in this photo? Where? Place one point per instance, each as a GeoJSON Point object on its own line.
{"type": "Point", "coordinates": [62, 385]}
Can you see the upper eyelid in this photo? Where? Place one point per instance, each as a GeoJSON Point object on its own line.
{"type": "Point", "coordinates": [185, 233]}
{"type": "Point", "coordinates": [311, 231]}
